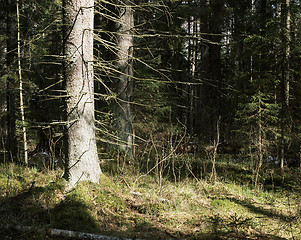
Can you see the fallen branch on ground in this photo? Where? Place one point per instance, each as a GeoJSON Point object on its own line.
{"type": "Point", "coordinates": [62, 233]}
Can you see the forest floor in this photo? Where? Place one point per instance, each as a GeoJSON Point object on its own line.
{"type": "Point", "coordinates": [128, 203]}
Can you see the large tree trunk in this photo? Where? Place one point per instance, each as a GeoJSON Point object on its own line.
{"type": "Point", "coordinates": [82, 159]}
{"type": "Point", "coordinates": [124, 81]}
{"type": "Point", "coordinates": [210, 71]}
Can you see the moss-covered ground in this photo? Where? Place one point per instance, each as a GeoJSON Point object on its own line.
{"type": "Point", "coordinates": [133, 204]}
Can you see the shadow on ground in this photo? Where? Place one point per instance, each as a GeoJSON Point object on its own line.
{"type": "Point", "coordinates": [49, 207]}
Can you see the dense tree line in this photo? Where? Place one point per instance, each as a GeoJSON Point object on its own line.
{"type": "Point", "coordinates": [220, 72]}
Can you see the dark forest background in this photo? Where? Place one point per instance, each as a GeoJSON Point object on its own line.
{"type": "Point", "coordinates": [197, 117]}
{"type": "Point", "coordinates": [204, 74]}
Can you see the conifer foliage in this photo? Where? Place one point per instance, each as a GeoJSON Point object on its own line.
{"type": "Point", "coordinates": [160, 69]}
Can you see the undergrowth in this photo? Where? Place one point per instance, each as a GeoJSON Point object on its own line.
{"type": "Point", "coordinates": [141, 204]}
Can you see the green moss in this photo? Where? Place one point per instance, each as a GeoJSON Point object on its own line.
{"type": "Point", "coordinates": [226, 206]}
{"type": "Point", "coordinates": [111, 201]}
{"type": "Point", "coordinates": [10, 186]}
{"type": "Point", "coordinates": [105, 181]}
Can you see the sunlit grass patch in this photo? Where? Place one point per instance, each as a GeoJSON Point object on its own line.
{"type": "Point", "coordinates": [141, 205]}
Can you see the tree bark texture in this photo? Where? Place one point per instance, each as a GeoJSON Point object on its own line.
{"type": "Point", "coordinates": [82, 158]}
{"type": "Point", "coordinates": [124, 81]}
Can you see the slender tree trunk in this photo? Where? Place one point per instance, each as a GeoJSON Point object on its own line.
{"type": "Point", "coordinates": [11, 144]}
{"type": "Point", "coordinates": [215, 64]}
{"type": "Point", "coordinates": [285, 77]}
{"type": "Point", "coordinates": [21, 87]}
{"type": "Point", "coordinates": [287, 51]}
{"type": "Point", "coordinates": [215, 144]}
{"type": "Point", "coordinates": [124, 81]}
{"type": "Point", "coordinates": [192, 60]}
{"type": "Point", "coordinates": [82, 158]}
{"type": "Point", "coordinates": [260, 143]}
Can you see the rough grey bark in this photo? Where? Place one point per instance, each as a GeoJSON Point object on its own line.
{"type": "Point", "coordinates": [124, 81]}
{"type": "Point", "coordinates": [82, 158]}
